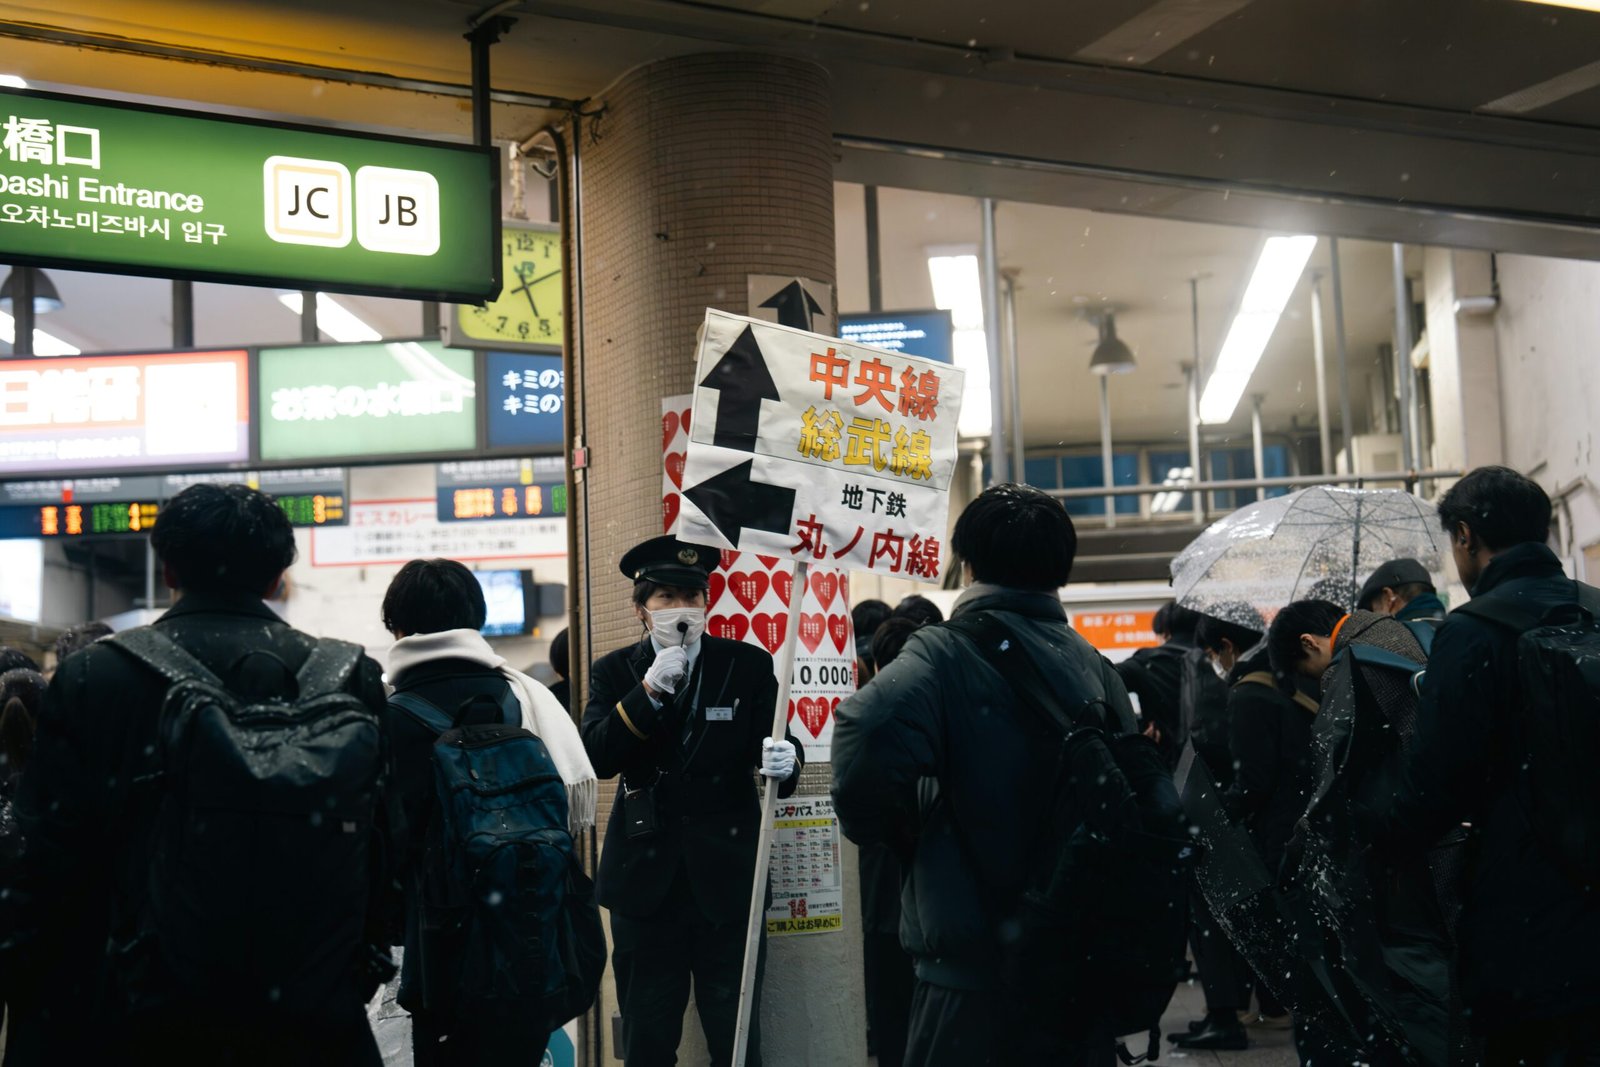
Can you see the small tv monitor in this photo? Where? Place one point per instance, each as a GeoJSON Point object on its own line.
{"type": "Point", "coordinates": [552, 600]}
{"type": "Point", "coordinates": [505, 595]}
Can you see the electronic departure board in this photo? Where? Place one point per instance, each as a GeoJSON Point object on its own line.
{"type": "Point", "coordinates": [502, 489]}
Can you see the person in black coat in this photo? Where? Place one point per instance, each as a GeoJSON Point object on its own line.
{"type": "Point", "coordinates": [88, 803]}
{"type": "Point", "coordinates": [1529, 934]}
{"type": "Point", "coordinates": [686, 720]}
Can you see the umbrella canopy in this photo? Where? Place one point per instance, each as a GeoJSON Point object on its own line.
{"type": "Point", "coordinates": [1322, 542]}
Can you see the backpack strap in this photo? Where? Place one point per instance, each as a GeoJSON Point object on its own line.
{"type": "Point", "coordinates": [1372, 656]}
{"type": "Point", "coordinates": [163, 655]}
{"type": "Point", "coordinates": [421, 709]}
{"type": "Point", "coordinates": [1423, 631]}
{"type": "Point", "coordinates": [1258, 678]}
{"type": "Point", "coordinates": [328, 667]}
{"type": "Point", "coordinates": [1002, 651]}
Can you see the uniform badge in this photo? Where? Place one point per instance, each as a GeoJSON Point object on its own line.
{"type": "Point", "coordinates": [688, 557]}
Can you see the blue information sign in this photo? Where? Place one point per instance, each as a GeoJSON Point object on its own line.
{"type": "Point", "coordinates": [916, 333]}
{"type": "Point", "coordinates": [525, 401]}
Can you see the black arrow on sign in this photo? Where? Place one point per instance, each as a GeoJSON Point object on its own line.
{"type": "Point", "coordinates": [731, 501]}
{"type": "Point", "coordinates": [742, 379]}
{"type": "Point", "coordinates": [795, 305]}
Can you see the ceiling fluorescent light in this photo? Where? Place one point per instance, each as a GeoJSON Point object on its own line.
{"type": "Point", "coordinates": [333, 318]}
{"type": "Point", "coordinates": [11, 81]}
{"type": "Point", "coordinates": [970, 352]}
{"type": "Point", "coordinates": [1276, 274]}
{"type": "Point", "coordinates": [956, 288]}
{"type": "Point", "coordinates": [1576, 5]}
{"type": "Point", "coordinates": [44, 344]}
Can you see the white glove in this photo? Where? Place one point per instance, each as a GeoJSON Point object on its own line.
{"type": "Point", "coordinates": [671, 666]}
{"type": "Point", "coordinates": [777, 758]}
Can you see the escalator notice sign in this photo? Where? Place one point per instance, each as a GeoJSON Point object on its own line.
{"type": "Point", "coordinates": [181, 194]}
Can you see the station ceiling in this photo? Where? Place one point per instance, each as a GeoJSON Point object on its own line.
{"type": "Point", "coordinates": [1133, 143]}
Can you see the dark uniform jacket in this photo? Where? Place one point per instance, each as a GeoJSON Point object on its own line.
{"type": "Point", "coordinates": [940, 711]}
{"type": "Point", "coordinates": [708, 809]}
{"type": "Point", "coordinates": [1529, 937]}
{"type": "Point", "coordinates": [87, 804]}
{"type": "Point", "coordinates": [1270, 739]}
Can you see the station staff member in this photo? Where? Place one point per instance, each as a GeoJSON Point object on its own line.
{"type": "Point", "coordinates": [685, 719]}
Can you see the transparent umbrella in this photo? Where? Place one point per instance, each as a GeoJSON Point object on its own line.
{"type": "Point", "coordinates": [1321, 542]}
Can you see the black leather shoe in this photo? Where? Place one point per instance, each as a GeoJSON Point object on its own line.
{"type": "Point", "coordinates": [1216, 1038]}
{"type": "Point", "coordinates": [1195, 1026]}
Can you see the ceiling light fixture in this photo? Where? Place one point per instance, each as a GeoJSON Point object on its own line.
{"type": "Point", "coordinates": [45, 297]}
{"type": "Point", "coordinates": [1576, 5]}
{"type": "Point", "coordinates": [956, 289]}
{"type": "Point", "coordinates": [333, 318]}
{"type": "Point", "coordinates": [44, 344]}
{"type": "Point", "coordinates": [1111, 355]}
{"type": "Point", "coordinates": [1277, 272]}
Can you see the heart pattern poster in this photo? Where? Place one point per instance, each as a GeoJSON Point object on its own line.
{"type": "Point", "coordinates": [750, 598]}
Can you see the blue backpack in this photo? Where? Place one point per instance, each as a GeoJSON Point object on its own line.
{"type": "Point", "coordinates": [510, 932]}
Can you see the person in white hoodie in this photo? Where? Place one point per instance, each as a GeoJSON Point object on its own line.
{"type": "Point", "coordinates": [435, 609]}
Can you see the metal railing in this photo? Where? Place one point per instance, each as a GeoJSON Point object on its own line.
{"type": "Point", "coordinates": [1411, 479]}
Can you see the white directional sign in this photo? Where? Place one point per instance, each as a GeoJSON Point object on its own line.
{"type": "Point", "coordinates": [819, 451]}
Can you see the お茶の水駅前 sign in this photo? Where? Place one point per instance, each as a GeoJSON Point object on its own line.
{"type": "Point", "coordinates": [143, 190]}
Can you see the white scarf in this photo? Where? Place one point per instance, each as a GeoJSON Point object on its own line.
{"type": "Point", "coordinates": [542, 714]}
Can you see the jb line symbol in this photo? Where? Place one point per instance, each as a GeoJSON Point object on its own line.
{"type": "Point", "coordinates": [819, 451]}
{"type": "Point", "coordinates": [385, 209]}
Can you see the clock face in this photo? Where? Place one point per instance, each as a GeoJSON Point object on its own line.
{"type": "Point", "coordinates": [530, 308]}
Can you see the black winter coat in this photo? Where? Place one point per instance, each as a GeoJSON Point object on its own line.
{"type": "Point", "coordinates": [87, 805]}
{"type": "Point", "coordinates": [709, 813]}
{"type": "Point", "coordinates": [1273, 765]}
{"type": "Point", "coordinates": [941, 712]}
{"type": "Point", "coordinates": [1529, 937]}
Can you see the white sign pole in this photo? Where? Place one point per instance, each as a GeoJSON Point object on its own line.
{"type": "Point", "coordinates": [769, 804]}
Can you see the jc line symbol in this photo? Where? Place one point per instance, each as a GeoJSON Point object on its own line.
{"type": "Point", "coordinates": [308, 201]}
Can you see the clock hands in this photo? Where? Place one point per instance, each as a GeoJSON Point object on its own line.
{"type": "Point", "coordinates": [526, 290]}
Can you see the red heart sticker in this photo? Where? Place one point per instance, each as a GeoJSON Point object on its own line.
{"type": "Point", "coordinates": [718, 585]}
{"type": "Point", "coordinates": [814, 712]}
{"type": "Point", "coordinates": [675, 464]}
{"type": "Point", "coordinates": [748, 587]}
{"type": "Point", "coordinates": [812, 629]}
{"type": "Point", "coordinates": [770, 561]}
{"type": "Point", "coordinates": [669, 511]}
{"type": "Point", "coordinates": [844, 587]}
{"type": "Point", "coordinates": [782, 584]}
{"type": "Point", "coordinates": [839, 628]}
{"type": "Point", "coordinates": [770, 630]}
{"type": "Point", "coordinates": [732, 627]}
{"type": "Point", "coordinates": [669, 429]}
{"type": "Point", "coordinates": [824, 586]}
{"type": "Point", "coordinates": [729, 558]}
{"type": "Point", "coordinates": [683, 418]}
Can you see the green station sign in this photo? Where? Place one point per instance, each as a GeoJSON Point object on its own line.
{"type": "Point", "coordinates": [178, 194]}
{"type": "Point", "coordinates": [365, 401]}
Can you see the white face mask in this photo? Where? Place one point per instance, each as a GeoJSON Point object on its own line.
{"type": "Point", "coordinates": [1221, 671]}
{"type": "Point", "coordinates": [664, 625]}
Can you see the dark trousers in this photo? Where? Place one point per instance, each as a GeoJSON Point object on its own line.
{"type": "Point", "coordinates": [890, 981]}
{"type": "Point", "coordinates": [1224, 975]}
{"type": "Point", "coordinates": [438, 1041]}
{"type": "Point", "coordinates": [1565, 1042]}
{"type": "Point", "coordinates": [980, 1028]}
{"type": "Point", "coordinates": [185, 1038]}
{"type": "Point", "coordinates": [656, 958]}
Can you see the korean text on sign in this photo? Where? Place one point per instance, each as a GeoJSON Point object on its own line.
{"type": "Point", "coordinates": [817, 449]}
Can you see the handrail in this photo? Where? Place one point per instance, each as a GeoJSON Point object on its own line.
{"type": "Point", "coordinates": [1293, 481]}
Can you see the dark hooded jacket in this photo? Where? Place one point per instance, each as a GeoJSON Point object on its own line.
{"type": "Point", "coordinates": [941, 712]}
{"type": "Point", "coordinates": [1529, 936]}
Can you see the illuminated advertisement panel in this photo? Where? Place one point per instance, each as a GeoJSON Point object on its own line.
{"type": "Point", "coordinates": [94, 414]}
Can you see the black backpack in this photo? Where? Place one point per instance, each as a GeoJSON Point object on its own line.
{"type": "Point", "coordinates": [1099, 929]}
{"type": "Point", "coordinates": [1558, 723]}
{"type": "Point", "coordinates": [510, 931]}
{"type": "Point", "coordinates": [261, 866]}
